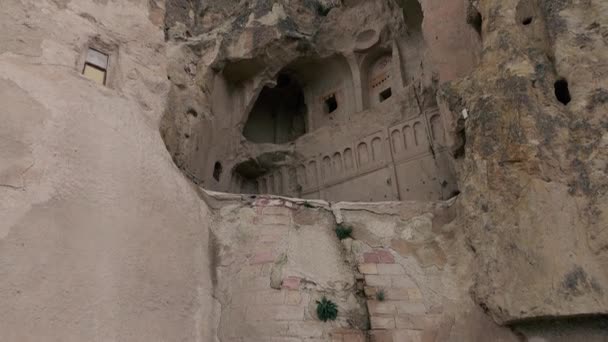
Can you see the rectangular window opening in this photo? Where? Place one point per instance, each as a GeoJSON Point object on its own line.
{"type": "Point", "coordinates": [95, 74]}
{"type": "Point", "coordinates": [96, 66]}
{"type": "Point", "coordinates": [331, 104]}
{"type": "Point", "coordinates": [386, 94]}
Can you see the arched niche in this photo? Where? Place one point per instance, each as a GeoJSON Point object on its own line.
{"type": "Point", "coordinates": [328, 88]}
{"type": "Point", "coordinates": [362, 154]}
{"type": "Point", "coordinates": [437, 129]}
{"type": "Point", "coordinates": [279, 114]}
{"type": "Point", "coordinates": [377, 77]}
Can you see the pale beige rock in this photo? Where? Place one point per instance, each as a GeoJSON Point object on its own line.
{"type": "Point", "coordinates": [103, 238]}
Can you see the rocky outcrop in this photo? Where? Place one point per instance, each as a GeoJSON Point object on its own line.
{"type": "Point", "coordinates": [530, 124]}
{"type": "Point", "coordinates": [103, 238]}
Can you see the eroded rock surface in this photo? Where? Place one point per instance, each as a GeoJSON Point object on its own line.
{"type": "Point", "coordinates": [472, 136]}
{"type": "Point", "coordinates": [533, 169]}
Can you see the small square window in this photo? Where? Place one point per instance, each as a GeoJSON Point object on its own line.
{"type": "Point", "coordinates": [386, 94]}
{"type": "Point", "coordinates": [96, 66]}
{"type": "Point", "coordinates": [331, 104]}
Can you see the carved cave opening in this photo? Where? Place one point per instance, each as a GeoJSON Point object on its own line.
{"type": "Point", "coordinates": [217, 171]}
{"type": "Point", "coordinates": [562, 91]}
{"type": "Point", "coordinates": [279, 114]}
{"type": "Point", "coordinates": [475, 20]}
{"type": "Point", "coordinates": [331, 104]}
{"type": "Point", "coordinates": [316, 131]}
{"type": "Point", "coordinates": [385, 94]}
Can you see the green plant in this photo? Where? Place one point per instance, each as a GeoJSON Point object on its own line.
{"type": "Point", "coordinates": [343, 231]}
{"type": "Point", "coordinates": [380, 295]}
{"type": "Point", "coordinates": [327, 310]}
{"type": "Point", "coordinates": [308, 205]}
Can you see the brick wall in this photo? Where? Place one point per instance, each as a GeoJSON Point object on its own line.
{"type": "Point", "coordinates": [265, 298]}
{"type": "Point", "coordinates": [275, 258]}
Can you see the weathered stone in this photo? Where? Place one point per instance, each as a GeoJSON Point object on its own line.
{"type": "Point", "coordinates": [382, 323]}
{"type": "Point", "coordinates": [368, 269]}
{"type": "Point", "coordinates": [501, 101]}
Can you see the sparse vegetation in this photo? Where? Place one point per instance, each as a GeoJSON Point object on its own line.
{"type": "Point", "coordinates": [380, 296]}
{"type": "Point", "coordinates": [308, 205]}
{"type": "Point", "coordinates": [327, 310]}
{"type": "Point", "coordinates": [343, 231]}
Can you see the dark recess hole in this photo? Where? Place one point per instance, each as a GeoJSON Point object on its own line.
{"type": "Point", "coordinates": [322, 10]}
{"type": "Point", "coordinates": [217, 171]}
{"type": "Point", "coordinates": [454, 194]}
{"type": "Point", "coordinates": [527, 21]}
{"type": "Point", "coordinates": [283, 80]}
{"type": "Point", "coordinates": [476, 21]}
{"type": "Point", "coordinates": [562, 93]}
{"type": "Point", "coordinates": [412, 14]}
{"type": "Point", "coordinates": [460, 151]}
{"type": "Point", "coordinates": [331, 104]}
{"type": "Point", "coordinates": [192, 112]}
{"type": "Point", "coordinates": [386, 94]}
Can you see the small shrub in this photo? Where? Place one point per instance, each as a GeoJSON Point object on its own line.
{"type": "Point", "coordinates": [308, 205]}
{"type": "Point", "coordinates": [327, 310]}
{"type": "Point", "coordinates": [343, 231]}
{"type": "Point", "coordinates": [380, 295]}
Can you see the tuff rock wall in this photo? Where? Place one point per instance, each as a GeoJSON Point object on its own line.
{"type": "Point", "coordinates": [103, 238]}
{"type": "Point", "coordinates": [401, 276]}
{"type": "Point", "coordinates": [533, 169]}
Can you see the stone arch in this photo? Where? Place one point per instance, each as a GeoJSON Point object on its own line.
{"type": "Point", "coordinates": [397, 140]}
{"type": "Point", "coordinates": [376, 72]}
{"type": "Point", "coordinates": [408, 137]}
{"type": "Point", "coordinates": [419, 134]}
{"type": "Point", "coordinates": [311, 172]}
{"type": "Point", "coordinates": [349, 162]}
{"type": "Point", "coordinates": [363, 153]}
{"type": "Point", "coordinates": [278, 179]}
{"type": "Point", "coordinates": [338, 164]}
{"type": "Point", "coordinates": [377, 149]}
{"type": "Point", "coordinates": [301, 175]}
{"type": "Point", "coordinates": [263, 187]}
{"type": "Point", "coordinates": [437, 128]}
{"type": "Point", "coordinates": [271, 184]}
{"type": "Point", "coordinates": [329, 89]}
{"type": "Point", "coordinates": [279, 114]}
{"type": "Point", "coordinates": [327, 171]}
{"type": "Point", "coordinates": [378, 85]}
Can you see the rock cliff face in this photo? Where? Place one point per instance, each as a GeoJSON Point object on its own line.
{"type": "Point", "coordinates": [101, 237]}
{"type": "Point", "coordinates": [478, 127]}
{"type": "Point", "coordinates": [533, 170]}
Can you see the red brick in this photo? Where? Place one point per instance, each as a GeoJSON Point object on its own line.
{"type": "Point", "coordinates": [371, 258]}
{"type": "Point", "coordinates": [385, 257]}
{"type": "Point", "coordinates": [291, 283]}
{"type": "Point", "coordinates": [262, 257]}
{"type": "Point", "coordinates": [379, 257]}
{"type": "Point", "coordinates": [260, 202]}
